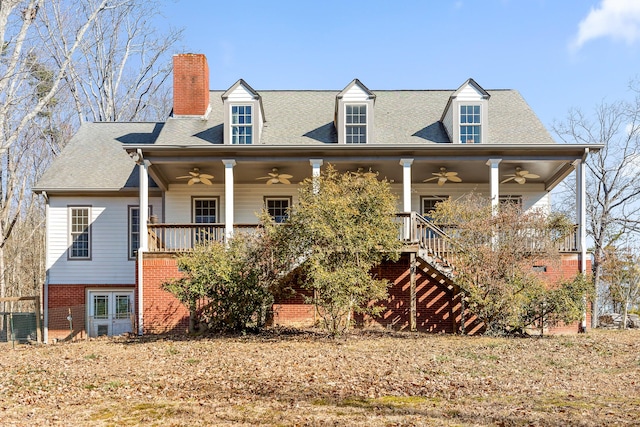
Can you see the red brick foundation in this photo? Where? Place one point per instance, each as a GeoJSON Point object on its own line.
{"type": "Point", "coordinates": [163, 313]}
{"type": "Point", "coordinates": [567, 268]}
{"type": "Point", "coordinates": [438, 309]}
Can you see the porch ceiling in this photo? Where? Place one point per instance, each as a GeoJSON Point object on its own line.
{"type": "Point", "coordinates": [551, 162]}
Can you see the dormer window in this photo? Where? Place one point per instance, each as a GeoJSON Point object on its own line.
{"type": "Point", "coordinates": [243, 115]}
{"type": "Point", "coordinates": [356, 124]}
{"type": "Point", "coordinates": [470, 124]}
{"type": "Point", "coordinates": [354, 112]}
{"type": "Point", "coordinates": [241, 124]}
{"type": "Point", "coordinates": [466, 118]}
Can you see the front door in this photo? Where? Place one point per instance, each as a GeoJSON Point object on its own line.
{"type": "Point", "coordinates": [110, 312]}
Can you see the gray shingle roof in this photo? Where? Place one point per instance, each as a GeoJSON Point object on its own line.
{"type": "Point", "coordinates": [401, 117]}
{"type": "Point", "coordinates": [95, 159]}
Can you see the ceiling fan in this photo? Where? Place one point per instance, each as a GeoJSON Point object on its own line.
{"type": "Point", "coordinates": [444, 176]}
{"type": "Point", "coordinates": [195, 176]}
{"type": "Point", "coordinates": [520, 176]}
{"type": "Point", "coordinates": [274, 177]}
{"type": "Point", "coordinates": [360, 173]}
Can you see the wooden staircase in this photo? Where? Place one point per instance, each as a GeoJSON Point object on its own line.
{"type": "Point", "coordinates": [434, 255]}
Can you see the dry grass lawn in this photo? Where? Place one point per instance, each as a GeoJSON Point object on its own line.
{"type": "Point", "coordinates": [305, 379]}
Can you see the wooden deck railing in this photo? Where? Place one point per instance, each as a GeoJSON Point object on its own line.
{"type": "Point", "coordinates": [439, 239]}
{"type": "Point", "coordinates": [413, 229]}
{"type": "Point", "coordinates": [183, 237]}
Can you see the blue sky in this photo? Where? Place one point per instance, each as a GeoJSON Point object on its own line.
{"type": "Point", "coordinates": [558, 54]}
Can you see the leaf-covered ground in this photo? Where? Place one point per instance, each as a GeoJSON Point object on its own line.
{"type": "Point", "coordinates": [305, 379]}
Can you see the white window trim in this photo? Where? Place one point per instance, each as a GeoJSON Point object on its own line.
{"type": "Point", "coordinates": [277, 198]}
{"type": "Point", "coordinates": [130, 208]}
{"type": "Point", "coordinates": [508, 198]}
{"type": "Point", "coordinates": [434, 198]}
{"type": "Point", "coordinates": [193, 208]}
{"type": "Point", "coordinates": [70, 233]}
{"type": "Point", "coordinates": [479, 125]}
{"type": "Point", "coordinates": [366, 123]}
{"type": "Point", "coordinates": [251, 125]}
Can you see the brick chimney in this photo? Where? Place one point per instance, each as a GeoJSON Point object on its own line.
{"type": "Point", "coordinates": [190, 84]}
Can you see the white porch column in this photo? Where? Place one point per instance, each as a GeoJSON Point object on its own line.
{"type": "Point", "coordinates": [581, 214]}
{"type": "Point", "coordinates": [315, 172]}
{"type": "Point", "coordinates": [228, 197]}
{"type": "Point", "coordinates": [143, 209]}
{"type": "Point", "coordinates": [406, 184]}
{"type": "Point", "coordinates": [144, 205]}
{"type": "Point", "coordinates": [494, 181]}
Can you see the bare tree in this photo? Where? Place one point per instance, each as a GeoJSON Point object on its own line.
{"type": "Point", "coordinates": [124, 66]}
{"type": "Point", "coordinates": [613, 190]}
{"type": "Point", "coordinates": [621, 271]}
{"type": "Point", "coordinates": [22, 23]}
{"type": "Point", "coordinates": [60, 61]}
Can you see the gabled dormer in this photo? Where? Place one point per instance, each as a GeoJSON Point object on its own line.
{"type": "Point", "coordinates": [243, 114]}
{"type": "Point", "coordinates": [465, 117]}
{"type": "Point", "coordinates": [354, 114]}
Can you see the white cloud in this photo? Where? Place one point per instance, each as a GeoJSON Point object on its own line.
{"type": "Point", "coordinates": [617, 19]}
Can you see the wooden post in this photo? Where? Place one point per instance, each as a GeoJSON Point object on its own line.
{"type": "Point", "coordinates": [456, 297]}
{"type": "Point", "coordinates": [36, 301]}
{"type": "Point", "coordinates": [412, 270]}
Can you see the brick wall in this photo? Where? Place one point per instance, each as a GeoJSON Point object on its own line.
{"type": "Point", "coordinates": [567, 268]}
{"type": "Point", "coordinates": [438, 309]}
{"type": "Point", "coordinates": [70, 298]}
{"type": "Point", "coordinates": [290, 309]}
{"type": "Point", "coordinates": [163, 313]}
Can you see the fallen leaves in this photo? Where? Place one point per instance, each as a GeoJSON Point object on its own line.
{"type": "Point", "coordinates": [307, 379]}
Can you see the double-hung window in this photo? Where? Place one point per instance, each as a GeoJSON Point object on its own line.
{"type": "Point", "coordinates": [429, 205]}
{"type": "Point", "coordinates": [470, 124]}
{"type": "Point", "coordinates": [241, 124]}
{"type": "Point", "coordinates": [355, 124]}
{"type": "Point", "coordinates": [515, 201]}
{"type": "Point", "coordinates": [134, 230]}
{"type": "Point", "coordinates": [79, 232]}
{"type": "Point", "coordinates": [205, 211]}
{"type": "Point", "coordinates": [278, 208]}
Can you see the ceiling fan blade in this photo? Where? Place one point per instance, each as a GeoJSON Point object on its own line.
{"type": "Point", "coordinates": [206, 175]}
{"type": "Point", "coordinates": [285, 176]}
{"type": "Point", "coordinates": [194, 173]}
{"type": "Point", "coordinates": [450, 174]}
{"type": "Point", "coordinates": [442, 180]}
{"type": "Point", "coordinates": [265, 177]}
{"type": "Point", "coordinates": [455, 179]}
{"type": "Point", "coordinates": [531, 176]}
{"type": "Point", "coordinates": [430, 179]}
{"type": "Point", "coordinates": [192, 181]}
{"type": "Point", "coordinates": [508, 179]}
{"type": "Point", "coordinates": [204, 180]}
{"type": "Point", "coordinates": [183, 177]}
{"type": "Point", "coordinates": [284, 180]}
{"type": "Point", "coordinates": [520, 180]}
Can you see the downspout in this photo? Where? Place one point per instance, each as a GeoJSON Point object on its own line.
{"type": "Point", "coordinates": [45, 291]}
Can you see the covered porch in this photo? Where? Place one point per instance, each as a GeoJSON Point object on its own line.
{"type": "Point", "coordinates": [237, 189]}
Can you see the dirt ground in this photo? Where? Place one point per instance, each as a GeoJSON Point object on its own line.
{"type": "Point", "coordinates": [301, 378]}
